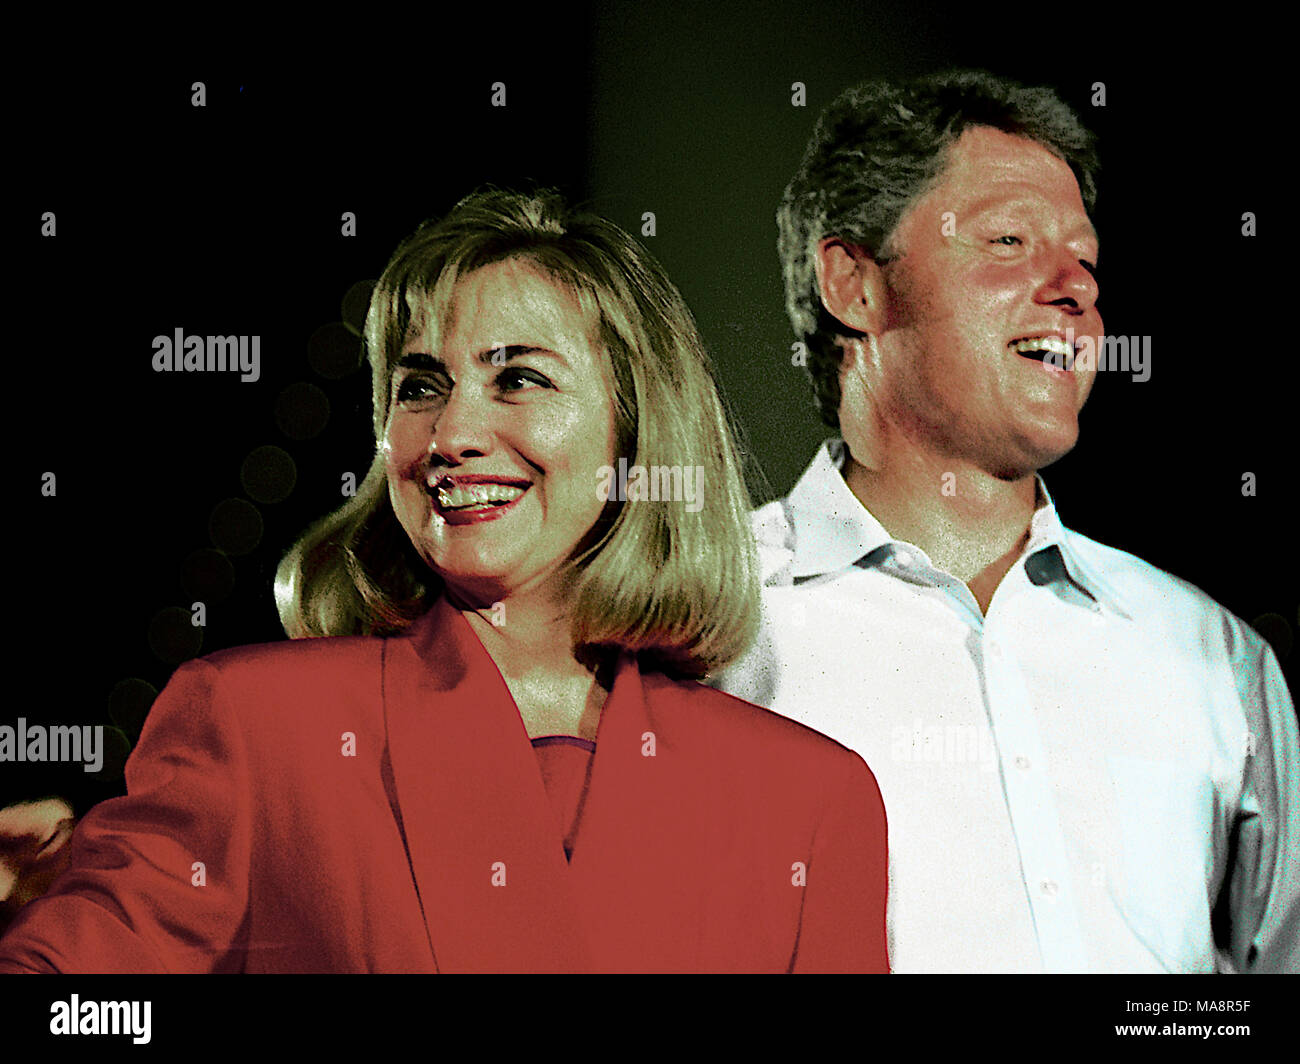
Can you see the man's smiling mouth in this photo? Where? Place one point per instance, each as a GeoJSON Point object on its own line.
{"type": "Point", "coordinates": [1050, 350]}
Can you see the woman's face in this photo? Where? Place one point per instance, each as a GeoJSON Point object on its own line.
{"type": "Point", "coordinates": [496, 434]}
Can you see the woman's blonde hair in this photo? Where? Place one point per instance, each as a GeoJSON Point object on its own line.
{"type": "Point", "coordinates": [677, 588]}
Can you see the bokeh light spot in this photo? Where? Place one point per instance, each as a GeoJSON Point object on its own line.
{"type": "Point", "coordinates": [268, 474]}
{"type": "Point", "coordinates": [207, 575]}
{"type": "Point", "coordinates": [117, 748]}
{"type": "Point", "coordinates": [356, 304]}
{"type": "Point", "coordinates": [172, 637]}
{"type": "Point", "coordinates": [302, 411]}
{"type": "Point", "coordinates": [235, 526]}
{"type": "Point", "coordinates": [1274, 628]}
{"type": "Point", "coordinates": [129, 703]}
{"type": "Point", "coordinates": [334, 351]}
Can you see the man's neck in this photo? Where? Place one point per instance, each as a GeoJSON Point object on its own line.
{"type": "Point", "coordinates": [969, 523]}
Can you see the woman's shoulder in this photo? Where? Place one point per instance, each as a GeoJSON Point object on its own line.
{"type": "Point", "coordinates": [763, 762]}
{"type": "Point", "coordinates": [720, 718]}
{"type": "Point", "coordinates": [321, 666]}
{"type": "Point", "coordinates": [268, 691]}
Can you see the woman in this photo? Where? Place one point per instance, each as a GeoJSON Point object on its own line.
{"type": "Point", "coordinates": [521, 774]}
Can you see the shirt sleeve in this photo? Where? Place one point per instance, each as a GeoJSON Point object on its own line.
{"type": "Point", "coordinates": [158, 880]}
{"type": "Point", "coordinates": [1262, 884]}
{"type": "Point", "coordinates": [842, 927]}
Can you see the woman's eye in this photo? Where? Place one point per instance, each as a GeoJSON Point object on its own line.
{"type": "Point", "coordinates": [414, 388]}
{"type": "Point", "coordinates": [1007, 241]}
{"type": "Point", "coordinates": [516, 378]}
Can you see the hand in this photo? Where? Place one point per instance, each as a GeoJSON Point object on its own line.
{"type": "Point", "coordinates": [34, 849]}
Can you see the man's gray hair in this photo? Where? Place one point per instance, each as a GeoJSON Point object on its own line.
{"type": "Point", "coordinates": [875, 151]}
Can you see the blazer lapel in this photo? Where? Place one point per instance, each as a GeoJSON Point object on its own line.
{"type": "Point", "coordinates": [635, 870]}
{"type": "Point", "coordinates": [488, 864]}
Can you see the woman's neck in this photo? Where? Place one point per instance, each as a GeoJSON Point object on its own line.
{"type": "Point", "coordinates": [529, 639]}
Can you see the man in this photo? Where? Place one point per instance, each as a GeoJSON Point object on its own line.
{"type": "Point", "coordinates": [1087, 764]}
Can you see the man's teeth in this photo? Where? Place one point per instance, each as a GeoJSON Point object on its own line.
{"type": "Point", "coordinates": [477, 495]}
{"type": "Point", "coordinates": [1051, 344]}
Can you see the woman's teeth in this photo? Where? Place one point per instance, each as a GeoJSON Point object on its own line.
{"type": "Point", "coordinates": [477, 495]}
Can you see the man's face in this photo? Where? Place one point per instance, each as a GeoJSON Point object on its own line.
{"type": "Point", "coordinates": [1000, 251]}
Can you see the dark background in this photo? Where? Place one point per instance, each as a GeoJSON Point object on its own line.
{"type": "Point", "coordinates": [225, 220]}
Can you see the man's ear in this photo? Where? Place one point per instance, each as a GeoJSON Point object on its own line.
{"type": "Point", "coordinates": [851, 284]}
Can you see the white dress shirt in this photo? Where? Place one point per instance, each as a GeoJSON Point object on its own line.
{"type": "Point", "coordinates": [1101, 775]}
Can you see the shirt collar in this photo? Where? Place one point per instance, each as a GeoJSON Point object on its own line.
{"type": "Point", "coordinates": [833, 530]}
{"type": "Point", "coordinates": [1047, 535]}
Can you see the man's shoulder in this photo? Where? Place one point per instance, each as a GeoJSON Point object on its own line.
{"type": "Point", "coordinates": [1155, 596]}
{"type": "Point", "coordinates": [1135, 578]}
{"type": "Point", "coordinates": [774, 534]}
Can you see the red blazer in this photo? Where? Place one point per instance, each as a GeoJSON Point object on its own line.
{"type": "Point", "coordinates": [248, 840]}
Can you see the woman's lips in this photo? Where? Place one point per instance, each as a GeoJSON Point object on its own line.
{"type": "Point", "coordinates": [473, 500]}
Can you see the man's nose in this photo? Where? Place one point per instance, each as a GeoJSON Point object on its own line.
{"type": "Point", "coordinates": [1067, 281]}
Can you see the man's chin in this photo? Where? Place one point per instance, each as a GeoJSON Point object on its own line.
{"type": "Point", "coordinates": [1031, 454]}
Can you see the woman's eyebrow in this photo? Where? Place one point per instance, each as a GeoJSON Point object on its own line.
{"type": "Point", "coordinates": [505, 352]}
{"type": "Point", "coordinates": [419, 360]}
{"type": "Point", "coordinates": [422, 360]}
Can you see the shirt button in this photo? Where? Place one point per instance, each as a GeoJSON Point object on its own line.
{"type": "Point", "coordinates": [1022, 762]}
{"type": "Point", "coordinates": [1048, 887]}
